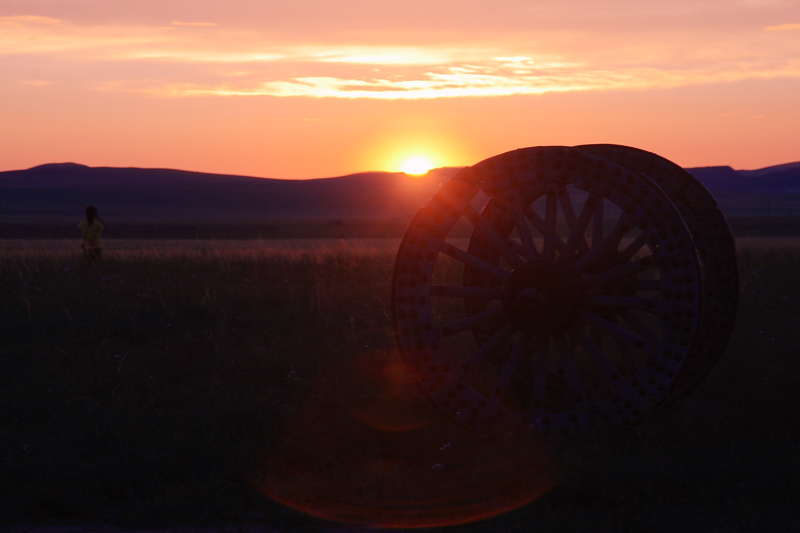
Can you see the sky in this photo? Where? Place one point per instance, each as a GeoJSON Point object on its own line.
{"type": "Point", "coordinates": [322, 88]}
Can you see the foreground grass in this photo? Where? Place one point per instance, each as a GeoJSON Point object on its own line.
{"type": "Point", "coordinates": [152, 389]}
{"type": "Point", "coordinates": [142, 389]}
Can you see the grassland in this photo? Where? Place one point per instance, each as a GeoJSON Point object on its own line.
{"type": "Point", "coordinates": [163, 385]}
{"type": "Point", "coordinates": [746, 222]}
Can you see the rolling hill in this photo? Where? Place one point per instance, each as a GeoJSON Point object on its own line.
{"type": "Point", "coordinates": [56, 190]}
{"type": "Point", "coordinates": [57, 194]}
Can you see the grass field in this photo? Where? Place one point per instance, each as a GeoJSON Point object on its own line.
{"type": "Point", "coordinates": [203, 382]}
{"type": "Point", "coordinates": [745, 223]}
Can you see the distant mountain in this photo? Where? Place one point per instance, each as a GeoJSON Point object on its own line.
{"type": "Point", "coordinates": [54, 190]}
{"type": "Point", "coordinates": [771, 180]}
{"type": "Point", "coordinates": [60, 190]}
{"type": "Point", "coordinates": [771, 170]}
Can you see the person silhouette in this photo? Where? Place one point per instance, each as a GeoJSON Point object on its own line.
{"type": "Point", "coordinates": [91, 229]}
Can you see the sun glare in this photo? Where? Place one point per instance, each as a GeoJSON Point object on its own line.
{"type": "Point", "coordinates": [416, 165]}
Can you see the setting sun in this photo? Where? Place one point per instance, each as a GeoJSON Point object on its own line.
{"type": "Point", "coordinates": [416, 165]}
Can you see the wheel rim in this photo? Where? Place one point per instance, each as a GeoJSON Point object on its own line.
{"type": "Point", "coordinates": [573, 303]}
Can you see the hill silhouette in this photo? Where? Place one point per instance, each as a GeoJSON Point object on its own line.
{"type": "Point", "coordinates": [778, 179]}
{"type": "Point", "coordinates": [55, 190]}
{"type": "Point", "coordinates": [58, 192]}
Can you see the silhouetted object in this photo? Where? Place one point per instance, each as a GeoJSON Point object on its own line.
{"type": "Point", "coordinates": [599, 283]}
{"type": "Point", "coordinates": [91, 229]}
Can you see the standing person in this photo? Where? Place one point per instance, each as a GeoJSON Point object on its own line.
{"type": "Point", "coordinates": [91, 229]}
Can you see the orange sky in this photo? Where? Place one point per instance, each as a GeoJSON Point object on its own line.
{"type": "Point", "coordinates": [318, 88]}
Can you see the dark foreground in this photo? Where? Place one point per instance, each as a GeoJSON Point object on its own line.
{"type": "Point", "coordinates": [223, 391]}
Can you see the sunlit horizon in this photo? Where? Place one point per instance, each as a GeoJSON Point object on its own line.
{"type": "Point", "coordinates": [311, 90]}
{"type": "Point", "coordinates": [417, 165]}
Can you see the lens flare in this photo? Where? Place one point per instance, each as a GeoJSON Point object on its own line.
{"type": "Point", "coordinates": [368, 447]}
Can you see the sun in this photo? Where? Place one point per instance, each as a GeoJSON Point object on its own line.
{"type": "Point", "coordinates": [416, 165]}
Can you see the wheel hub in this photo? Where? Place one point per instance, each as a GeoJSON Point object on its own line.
{"type": "Point", "coordinates": [540, 297]}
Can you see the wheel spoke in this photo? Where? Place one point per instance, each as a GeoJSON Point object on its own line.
{"type": "Point", "coordinates": [518, 247]}
{"type": "Point", "coordinates": [628, 269]}
{"type": "Point", "coordinates": [638, 243]}
{"type": "Point", "coordinates": [613, 330]}
{"type": "Point", "coordinates": [524, 231]}
{"type": "Point", "coordinates": [550, 224]}
{"type": "Point", "coordinates": [468, 259]}
{"type": "Point", "coordinates": [490, 346]}
{"type": "Point", "coordinates": [572, 219]}
{"type": "Point", "coordinates": [534, 218]}
{"type": "Point", "coordinates": [598, 222]}
{"type": "Point", "coordinates": [605, 366]}
{"type": "Point", "coordinates": [495, 238]}
{"type": "Point", "coordinates": [600, 250]}
{"type": "Point", "coordinates": [637, 325]}
{"type": "Point", "coordinates": [539, 223]}
{"type": "Point", "coordinates": [578, 229]}
{"type": "Point", "coordinates": [511, 364]}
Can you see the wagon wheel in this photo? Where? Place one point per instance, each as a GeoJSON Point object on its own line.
{"type": "Point", "coordinates": [573, 303]}
{"type": "Point", "coordinates": [716, 248]}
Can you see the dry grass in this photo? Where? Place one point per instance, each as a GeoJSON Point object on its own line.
{"type": "Point", "coordinates": [157, 387]}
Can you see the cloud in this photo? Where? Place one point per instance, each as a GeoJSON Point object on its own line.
{"type": "Point", "coordinates": [221, 61]}
{"type": "Point", "coordinates": [783, 27]}
{"type": "Point", "coordinates": [48, 37]}
{"type": "Point", "coordinates": [493, 78]}
{"type": "Point", "coordinates": [22, 21]}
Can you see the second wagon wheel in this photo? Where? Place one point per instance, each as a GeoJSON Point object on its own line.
{"type": "Point", "coordinates": [716, 248]}
{"type": "Point", "coordinates": [547, 287]}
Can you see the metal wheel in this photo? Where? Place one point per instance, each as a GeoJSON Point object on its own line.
{"type": "Point", "coordinates": [550, 288]}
